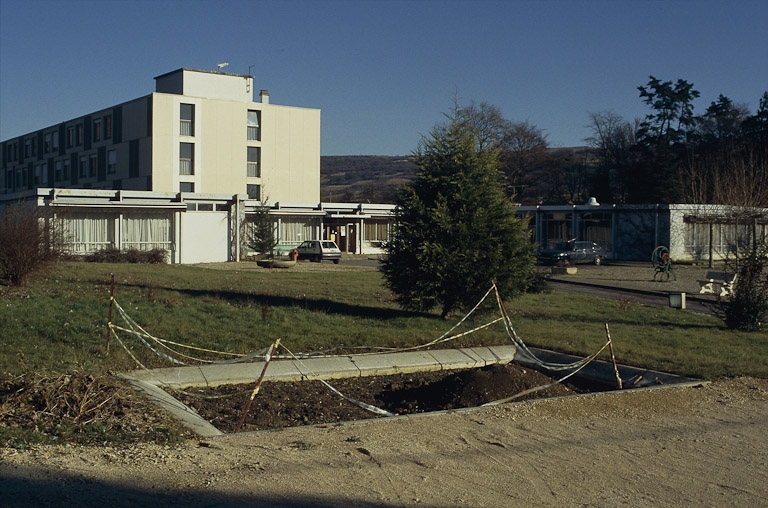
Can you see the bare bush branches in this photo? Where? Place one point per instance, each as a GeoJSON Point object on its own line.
{"type": "Point", "coordinates": [28, 239]}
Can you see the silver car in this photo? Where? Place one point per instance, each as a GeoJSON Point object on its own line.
{"type": "Point", "coordinates": [318, 250]}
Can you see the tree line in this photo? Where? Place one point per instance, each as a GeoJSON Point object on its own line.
{"type": "Point", "coordinates": [676, 156]}
{"type": "Point", "coordinates": [673, 155]}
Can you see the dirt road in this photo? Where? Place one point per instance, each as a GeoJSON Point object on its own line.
{"type": "Point", "coordinates": [701, 446]}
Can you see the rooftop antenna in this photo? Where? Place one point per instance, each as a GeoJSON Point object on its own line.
{"type": "Point", "coordinates": [222, 65]}
{"type": "Point", "coordinates": [248, 79]}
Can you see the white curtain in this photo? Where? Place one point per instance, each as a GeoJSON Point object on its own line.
{"type": "Point", "coordinates": [86, 233]}
{"type": "Point", "coordinates": [294, 230]}
{"type": "Point", "coordinates": [147, 230]}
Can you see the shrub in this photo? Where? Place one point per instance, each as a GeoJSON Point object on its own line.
{"type": "Point", "coordinates": [539, 283]}
{"type": "Point", "coordinates": [112, 255]}
{"type": "Point", "coordinates": [28, 240]}
{"type": "Point", "coordinates": [747, 309]}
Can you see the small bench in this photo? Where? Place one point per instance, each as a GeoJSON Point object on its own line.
{"type": "Point", "coordinates": [718, 283]}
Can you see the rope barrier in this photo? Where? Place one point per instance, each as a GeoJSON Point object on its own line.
{"type": "Point", "coordinates": [359, 403]}
{"type": "Point", "coordinates": [544, 387]}
{"type": "Point", "coordinates": [133, 328]}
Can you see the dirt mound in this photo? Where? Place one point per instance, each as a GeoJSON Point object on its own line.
{"type": "Point", "coordinates": [289, 404]}
{"type": "Point", "coordinates": [82, 408]}
{"type": "Point", "coordinates": [78, 407]}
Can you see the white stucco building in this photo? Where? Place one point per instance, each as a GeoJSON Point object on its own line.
{"type": "Point", "coordinates": [200, 131]}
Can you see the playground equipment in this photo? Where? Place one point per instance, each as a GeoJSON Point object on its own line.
{"type": "Point", "coordinates": [662, 264]}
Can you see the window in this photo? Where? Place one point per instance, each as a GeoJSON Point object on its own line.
{"type": "Point", "coordinates": [376, 232]}
{"type": "Point", "coordinates": [83, 167]}
{"type": "Point", "coordinates": [55, 141]}
{"type": "Point", "coordinates": [254, 191]}
{"type": "Point", "coordinates": [79, 134]}
{"type": "Point", "coordinates": [254, 154]}
{"type": "Point", "coordinates": [108, 127]}
{"type": "Point", "coordinates": [112, 161]}
{"type": "Point", "coordinates": [13, 153]}
{"type": "Point", "coordinates": [92, 165]}
{"type": "Point", "coordinates": [147, 230]}
{"type": "Point", "coordinates": [186, 159]}
{"type": "Point", "coordinates": [87, 232]}
{"type": "Point", "coordinates": [47, 143]}
{"type": "Point", "coordinates": [58, 171]}
{"type": "Point", "coordinates": [38, 175]}
{"type": "Point", "coordinates": [187, 115]}
{"type": "Point", "coordinates": [27, 147]}
{"type": "Point", "coordinates": [65, 176]}
{"type": "Point", "coordinates": [70, 137]}
{"type": "Point", "coordinates": [97, 125]}
{"type": "Point", "coordinates": [254, 123]}
{"type": "Point", "coordinates": [187, 187]}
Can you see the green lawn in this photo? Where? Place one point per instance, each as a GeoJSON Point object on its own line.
{"type": "Point", "coordinates": [58, 322]}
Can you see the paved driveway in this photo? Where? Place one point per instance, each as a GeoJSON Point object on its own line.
{"type": "Point", "coordinates": [634, 281]}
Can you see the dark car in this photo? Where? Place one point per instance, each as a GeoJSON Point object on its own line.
{"type": "Point", "coordinates": [317, 250]}
{"type": "Point", "coordinates": [573, 252]}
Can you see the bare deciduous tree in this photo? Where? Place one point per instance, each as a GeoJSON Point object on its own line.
{"type": "Point", "coordinates": [612, 138]}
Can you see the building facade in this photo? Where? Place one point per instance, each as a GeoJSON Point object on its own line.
{"type": "Point", "coordinates": [199, 228]}
{"type": "Point", "coordinates": [692, 233]}
{"type": "Point", "coordinates": [200, 132]}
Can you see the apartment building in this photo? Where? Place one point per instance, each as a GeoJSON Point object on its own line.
{"type": "Point", "coordinates": [183, 169]}
{"type": "Point", "coordinates": [199, 132]}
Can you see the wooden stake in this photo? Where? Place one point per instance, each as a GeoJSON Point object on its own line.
{"type": "Point", "coordinates": [109, 315]}
{"type": "Point", "coordinates": [613, 357]}
{"type": "Point", "coordinates": [267, 359]}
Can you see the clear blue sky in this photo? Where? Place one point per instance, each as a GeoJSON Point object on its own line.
{"type": "Point", "coordinates": [383, 72]}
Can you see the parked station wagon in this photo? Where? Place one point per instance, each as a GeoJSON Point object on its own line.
{"type": "Point", "coordinates": [573, 252]}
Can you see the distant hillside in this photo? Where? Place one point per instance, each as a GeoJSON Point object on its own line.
{"type": "Point", "coordinates": [363, 178]}
{"type": "Point", "coordinates": [564, 176]}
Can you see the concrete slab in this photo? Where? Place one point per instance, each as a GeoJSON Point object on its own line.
{"type": "Point", "coordinates": [200, 375]}
{"type": "Point", "coordinates": [396, 363]}
{"type": "Point", "coordinates": [183, 413]}
{"type": "Point", "coordinates": [494, 354]}
{"type": "Point", "coordinates": [333, 367]}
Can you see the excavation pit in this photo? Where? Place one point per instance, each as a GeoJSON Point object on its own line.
{"type": "Point", "coordinates": [211, 399]}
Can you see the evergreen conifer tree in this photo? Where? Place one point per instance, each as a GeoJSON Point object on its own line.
{"type": "Point", "coordinates": [455, 230]}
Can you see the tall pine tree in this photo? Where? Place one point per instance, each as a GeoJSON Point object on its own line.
{"type": "Point", "coordinates": [456, 231]}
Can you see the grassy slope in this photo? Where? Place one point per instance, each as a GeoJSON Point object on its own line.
{"type": "Point", "coordinates": [58, 322]}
